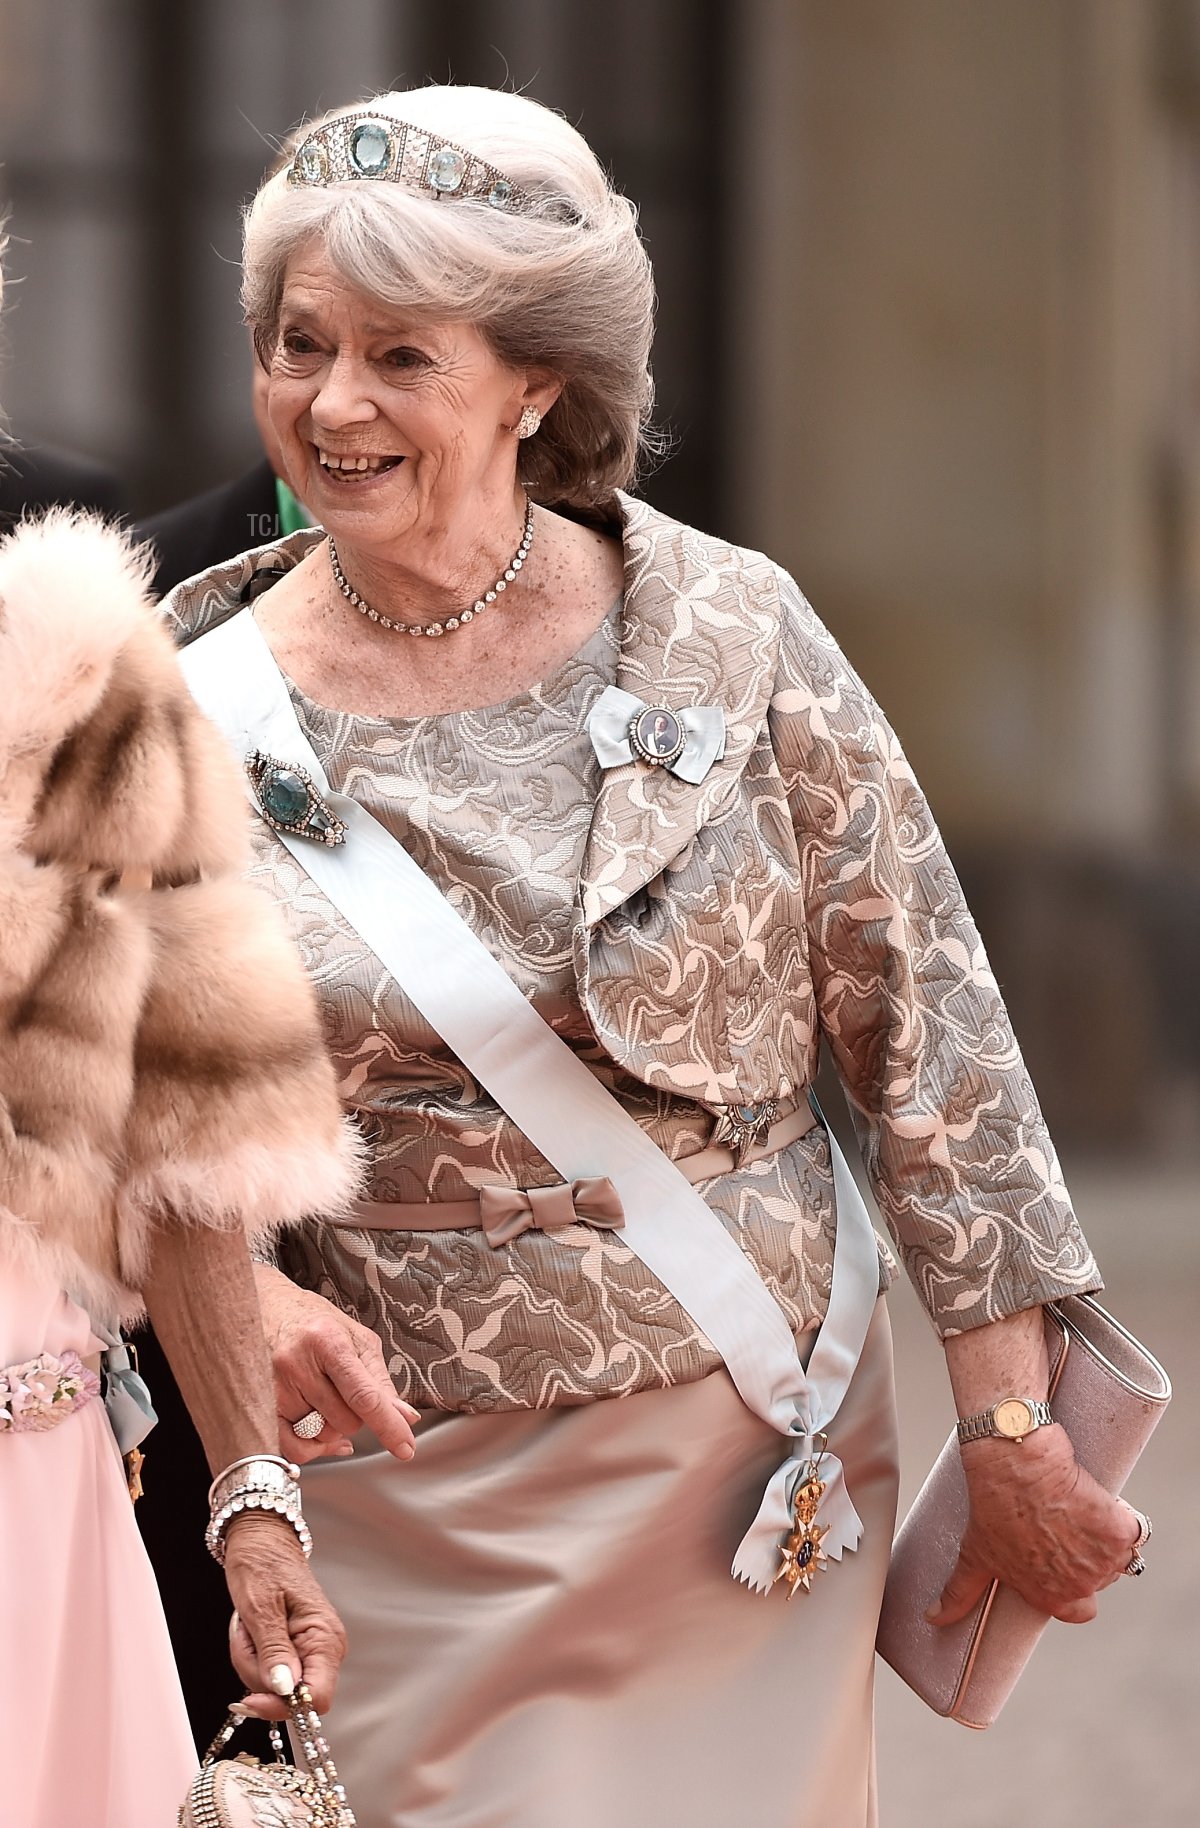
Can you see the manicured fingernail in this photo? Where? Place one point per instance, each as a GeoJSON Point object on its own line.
{"type": "Point", "coordinates": [409, 1413]}
{"type": "Point", "coordinates": [282, 1680]}
{"type": "Point", "coordinates": [344, 1452]}
{"type": "Point", "coordinates": [934, 1613]}
{"type": "Point", "coordinates": [405, 1452]}
{"type": "Point", "coordinates": [239, 1712]}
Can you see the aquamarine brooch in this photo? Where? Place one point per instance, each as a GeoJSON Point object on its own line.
{"type": "Point", "coordinates": [289, 802]}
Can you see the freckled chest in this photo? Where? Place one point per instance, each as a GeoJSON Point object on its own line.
{"type": "Point", "coordinates": [337, 657]}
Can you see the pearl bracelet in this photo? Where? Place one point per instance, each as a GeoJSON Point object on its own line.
{"type": "Point", "coordinates": [261, 1482]}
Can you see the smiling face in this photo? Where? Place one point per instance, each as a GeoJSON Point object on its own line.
{"type": "Point", "coordinates": [388, 425]}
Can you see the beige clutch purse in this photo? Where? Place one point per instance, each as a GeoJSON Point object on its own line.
{"type": "Point", "coordinates": [242, 1792]}
{"type": "Point", "coordinates": [1109, 1393]}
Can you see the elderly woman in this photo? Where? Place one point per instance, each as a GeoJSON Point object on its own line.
{"type": "Point", "coordinates": [590, 834]}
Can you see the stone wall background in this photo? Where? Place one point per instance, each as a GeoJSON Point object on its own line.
{"type": "Point", "coordinates": [929, 333]}
{"type": "Point", "coordinates": [930, 290]}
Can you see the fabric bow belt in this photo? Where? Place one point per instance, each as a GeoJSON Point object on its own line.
{"type": "Point", "coordinates": [505, 1212]}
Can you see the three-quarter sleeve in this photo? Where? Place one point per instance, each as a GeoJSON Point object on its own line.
{"type": "Point", "coordinates": [955, 1146]}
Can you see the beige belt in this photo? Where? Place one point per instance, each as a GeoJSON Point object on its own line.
{"type": "Point", "coordinates": [503, 1213]}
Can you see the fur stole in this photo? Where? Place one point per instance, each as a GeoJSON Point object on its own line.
{"type": "Point", "coordinates": [161, 1055]}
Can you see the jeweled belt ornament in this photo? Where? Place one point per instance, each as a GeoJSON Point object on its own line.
{"type": "Point", "coordinates": [288, 800]}
{"type": "Point", "coordinates": [44, 1391]}
{"type": "Point", "coordinates": [742, 1127]}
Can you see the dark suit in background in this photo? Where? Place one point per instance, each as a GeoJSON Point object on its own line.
{"type": "Point", "coordinates": [33, 477]}
{"type": "Point", "coordinates": [212, 527]}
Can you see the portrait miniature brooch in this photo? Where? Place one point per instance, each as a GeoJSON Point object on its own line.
{"type": "Point", "coordinates": [686, 741]}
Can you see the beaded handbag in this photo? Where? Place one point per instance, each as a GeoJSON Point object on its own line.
{"type": "Point", "coordinates": [243, 1792]}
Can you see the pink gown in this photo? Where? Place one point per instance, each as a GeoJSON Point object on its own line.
{"type": "Point", "coordinates": [93, 1732]}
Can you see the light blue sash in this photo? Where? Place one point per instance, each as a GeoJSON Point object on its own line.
{"type": "Point", "coordinates": [131, 1413]}
{"type": "Point", "coordinates": [553, 1098]}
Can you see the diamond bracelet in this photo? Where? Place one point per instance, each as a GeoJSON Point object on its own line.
{"type": "Point", "coordinates": [264, 1483]}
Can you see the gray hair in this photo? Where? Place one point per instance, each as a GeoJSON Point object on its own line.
{"type": "Point", "coordinates": [564, 284]}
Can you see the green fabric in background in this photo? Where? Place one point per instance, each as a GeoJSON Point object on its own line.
{"type": "Point", "coordinates": [291, 510]}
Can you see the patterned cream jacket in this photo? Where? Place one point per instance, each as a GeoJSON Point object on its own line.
{"type": "Point", "coordinates": [800, 891]}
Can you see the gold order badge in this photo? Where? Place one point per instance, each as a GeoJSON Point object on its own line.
{"type": "Point", "coordinates": [801, 1555]}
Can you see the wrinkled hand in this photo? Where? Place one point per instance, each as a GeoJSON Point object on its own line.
{"type": "Point", "coordinates": [1040, 1523]}
{"type": "Point", "coordinates": [281, 1615]}
{"type": "Point", "coordinates": [324, 1360]}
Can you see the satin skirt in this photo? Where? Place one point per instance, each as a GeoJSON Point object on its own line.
{"type": "Point", "coordinates": [544, 1632]}
{"type": "Point", "coordinates": [93, 1732]}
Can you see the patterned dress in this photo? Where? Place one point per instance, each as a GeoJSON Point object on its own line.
{"type": "Point", "coordinates": [549, 1320]}
{"type": "Point", "coordinates": [543, 1626]}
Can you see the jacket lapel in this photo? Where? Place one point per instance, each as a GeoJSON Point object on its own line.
{"type": "Point", "coordinates": [701, 625]}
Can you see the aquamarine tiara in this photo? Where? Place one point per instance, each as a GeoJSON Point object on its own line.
{"type": "Point", "coordinates": [376, 146]}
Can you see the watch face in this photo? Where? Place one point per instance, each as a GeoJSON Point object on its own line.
{"type": "Point", "coordinates": [1013, 1417]}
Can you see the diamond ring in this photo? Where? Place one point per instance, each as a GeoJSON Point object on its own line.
{"type": "Point", "coordinates": [309, 1426]}
{"type": "Point", "coordinates": [1136, 1565]}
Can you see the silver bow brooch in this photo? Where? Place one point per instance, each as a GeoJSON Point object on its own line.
{"type": "Point", "coordinates": [686, 741]}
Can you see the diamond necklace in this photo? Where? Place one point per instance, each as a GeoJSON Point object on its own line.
{"type": "Point", "coordinates": [464, 616]}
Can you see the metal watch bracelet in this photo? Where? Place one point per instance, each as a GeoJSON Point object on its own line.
{"type": "Point", "coordinates": [1004, 1420]}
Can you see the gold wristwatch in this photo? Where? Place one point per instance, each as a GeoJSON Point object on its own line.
{"type": "Point", "coordinates": [1011, 1419]}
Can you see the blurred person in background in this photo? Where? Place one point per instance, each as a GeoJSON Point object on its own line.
{"type": "Point", "coordinates": [131, 958]}
{"type": "Point", "coordinates": [645, 777]}
{"type": "Point", "coordinates": [234, 517]}
{"type": "Point", "coordinates": [36, 476]}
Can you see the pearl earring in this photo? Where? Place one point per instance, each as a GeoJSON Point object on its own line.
{"type": "Point", "coordinates": [529, 421]}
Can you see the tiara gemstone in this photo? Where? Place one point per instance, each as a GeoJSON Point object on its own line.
{"type": "Point", "coordinates": [447, 169]}
{"type": "Point", "coordinates": [370, 148]}
{"type": "Point", "coordinates": [313, 163]}
{"type": "Point", "coordinates": [363, 145]}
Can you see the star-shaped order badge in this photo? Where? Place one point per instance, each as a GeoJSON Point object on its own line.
{"type": "Point", "coordinates": [801, 1555]}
